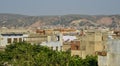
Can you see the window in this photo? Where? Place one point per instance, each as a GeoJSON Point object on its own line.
{"type": "Point", "coordinates": [77, 47]}
{"type": "Point", "coordinates": [57, 48]}
{"type": "Point", "coordinates": [15, 40]}
{"type": "Point", "coordinates": [9, 40]}
{"type": "Point", "coordinates": [91, 42]}
{"type": "Point", "coordinates": [20, 39]}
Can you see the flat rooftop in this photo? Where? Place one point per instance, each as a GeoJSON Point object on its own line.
{"type": "Point", "coordinates": [12, 34]}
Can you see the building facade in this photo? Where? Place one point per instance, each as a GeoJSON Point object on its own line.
{"type": "Point", "coordinates": [112, 58]}
{"type": "Point", "coordinates": [89, 43]}
{"type": "Point", "coordinates": [10, 38]}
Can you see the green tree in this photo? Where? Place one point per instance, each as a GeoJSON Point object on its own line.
{"type": "Point", "coordinates": [25, 54]}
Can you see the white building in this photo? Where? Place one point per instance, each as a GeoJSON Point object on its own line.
{"type": "Point", "coordinates": [6, 39]}
{"type": "Point", "coordinates": [54, 42]}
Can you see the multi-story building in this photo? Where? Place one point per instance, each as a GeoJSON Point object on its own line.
{"type": "Point", "coordinates": [88, 44]}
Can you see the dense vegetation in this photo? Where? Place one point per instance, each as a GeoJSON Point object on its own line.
{"type": "Point", "coordinates": [25, 54]}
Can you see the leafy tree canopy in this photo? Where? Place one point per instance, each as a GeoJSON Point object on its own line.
{"type": "Point", "coordinates": [25, 54]}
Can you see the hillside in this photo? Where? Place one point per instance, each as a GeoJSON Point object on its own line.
{"type": "Point", "coordinates": [16, 20]}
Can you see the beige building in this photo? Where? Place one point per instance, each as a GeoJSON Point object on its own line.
{"type": "Point", "coordinates": [90, 43]}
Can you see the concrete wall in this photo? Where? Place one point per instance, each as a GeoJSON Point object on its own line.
{"type": "Point", "coordinates": [113, 54]}
{"type": "Point", "coordinates": [102, 60]}
{"type": "Point", "coordinates": [78, 53]}
{"type": "Point", "coordinates": [66, 47]}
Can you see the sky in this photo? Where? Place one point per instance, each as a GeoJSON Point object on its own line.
{"type": "Point", "coordinates": [60, 7]}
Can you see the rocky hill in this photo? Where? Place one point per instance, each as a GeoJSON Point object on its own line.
{"type": "Point", "coordinates": [16, 20]}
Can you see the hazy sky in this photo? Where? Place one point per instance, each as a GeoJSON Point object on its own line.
{"type": "Point", "coordinates": [60, 7]}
